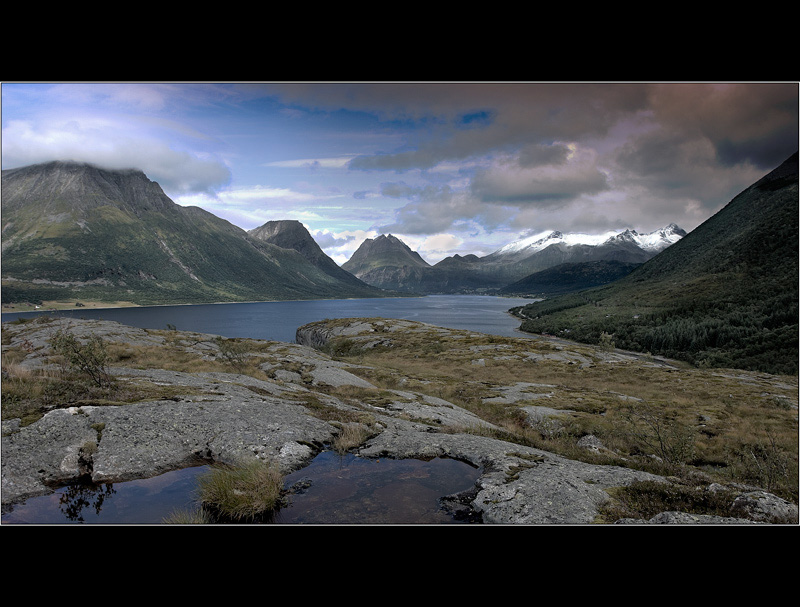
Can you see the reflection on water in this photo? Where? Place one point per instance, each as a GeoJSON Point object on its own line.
{"type": "Point", "coordinates": [333, 489]}
{"type": "Point", "coordinates": [347, 490]}
{"type": "Point", "coordinates": [145, 501]}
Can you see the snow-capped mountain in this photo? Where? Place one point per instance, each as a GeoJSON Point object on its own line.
{"type": "Point", "coordinates": [652, 242]}
{"type": "Point", "coordinates": [506, 265]}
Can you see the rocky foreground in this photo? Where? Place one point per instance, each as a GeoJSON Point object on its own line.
{"type": "Point", "coordinates": [303, 398]}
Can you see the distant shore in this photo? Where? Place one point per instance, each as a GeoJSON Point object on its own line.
{"type": "Point", "coordinates": [58, 306]}
{"type": "Point", "coordinates": [49, 306]}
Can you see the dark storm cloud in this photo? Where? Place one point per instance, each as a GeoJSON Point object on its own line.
{"type": "Point", "coordinates": [539, 154]}
{"type": "Point", "coordinates": [745, 122]}
{"type": "Point", "coordinates": [469, 119]}
{"type": "Point", "coordinates": [754, 123]}
{"type": "Point", "coordinates": [652, 152]}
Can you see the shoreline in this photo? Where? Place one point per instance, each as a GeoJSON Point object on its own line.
{"type": "Point", "coordinates": [98, 305]}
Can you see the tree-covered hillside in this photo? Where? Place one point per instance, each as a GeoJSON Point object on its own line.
{"type": "Point", "coordinates": [726, 295]}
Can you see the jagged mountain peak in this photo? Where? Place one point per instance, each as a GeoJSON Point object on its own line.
{"type": "Point", "coordinates": [529, 245]}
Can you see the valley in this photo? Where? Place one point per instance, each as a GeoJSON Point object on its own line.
{"type": "Point", "coordinates": [656, 369]}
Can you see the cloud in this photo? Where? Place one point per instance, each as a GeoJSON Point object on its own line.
{"type": "Point", "coordinates": [433, 248]}
{"type": "Point", "coordinates": [328, 240]}
{"type": "Point", "coordinates": [533, 180]}
{"type": "Point", "coordinates": [340, 246]}
{"type": "Point", "coordinates": [115, 145]}
{"type": "Point", "coordinates": [491, 197]}
{"type": "Point", "coordinates": [666, 166]}
{"type": "Point", "coordinates": [463, 120]}
{"type": "Point", "coordinates": [312, 163]}
{"type": "Point", "coordinates": [250, 207]}
{"type": "Point", "coordinates": [745, 123]}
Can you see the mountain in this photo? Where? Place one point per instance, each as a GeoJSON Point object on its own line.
{"type": "Point", "coordinates": [543, 251]}
{"type": "Point", "coordinates": [569, 277]}
{"type": "Point", "coordinates": [653, 242]}
{"type": "Point", "coordinates": [724, 295]}
{"type": "Point", "coordinates": [74, 231]}
{"type": "Point", "coordinates": [389, 263]}
{"type": "Point", "coordinates": [291, 234]}
{"type": "Point", "coordinates": [383, 251]}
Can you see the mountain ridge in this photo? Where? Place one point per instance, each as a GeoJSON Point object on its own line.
{"type": "Point", "coordinates": [75, 231]}
{"type": "Point", "coordinates": [393, 267]}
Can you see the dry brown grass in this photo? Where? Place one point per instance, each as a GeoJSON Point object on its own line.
{"type": "Point", "coordinates": [727, 425]}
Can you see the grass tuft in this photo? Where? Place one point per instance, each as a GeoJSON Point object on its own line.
{"type": "Point", "coordinates": [245, 492]}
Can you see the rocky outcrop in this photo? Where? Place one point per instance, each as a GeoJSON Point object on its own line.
{"type": "Point", "coordinates": [228, 416]}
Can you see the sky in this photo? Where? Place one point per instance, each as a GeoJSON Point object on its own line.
{"type": "Point", "coordinates": [447, 167]}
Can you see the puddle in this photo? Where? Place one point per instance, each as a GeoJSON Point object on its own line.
{"type": "Point", "coordinates": [349, 490]}
{"type": "Point", "coordinates": [145, 501]}
{"type": "Point", "coordinates": [333, 490]}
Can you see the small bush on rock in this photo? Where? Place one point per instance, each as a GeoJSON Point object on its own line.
{"type": "Point", "coordinates": [90, 358]}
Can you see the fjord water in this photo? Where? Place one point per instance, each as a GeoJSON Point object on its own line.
{"type": "Point", "coordinates": [279, 320]}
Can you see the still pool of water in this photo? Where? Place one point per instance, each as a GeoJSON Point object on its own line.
{"type": "Point", "coordinates": [145, 501]}
{"type": "Point", "coordinates": [333, 490]}
{"type": "Point", "coordinates": [346, 490]}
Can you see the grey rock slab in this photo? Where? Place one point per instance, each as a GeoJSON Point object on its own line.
{"type": "Point", "coordinates": [433, 411]}
{"type": "Point", "coordinates": [45, 454]}
{"type": "Point", "coordinates": [225, 423]}
{"type": "Point", "coordinates": [333, 375]}
{"type": "Point", "coordinates": [553, 491]}
{"type": "Point", "coordinates": [518, 485]}
{"type": "Point", "coordinates": [763, 506]}
{"type": "Point", "coordinates": [684, 518]}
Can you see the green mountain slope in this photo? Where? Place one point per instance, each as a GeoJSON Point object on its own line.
{"type": "Point", "coordinates": [568, 277]}
{"type": "Point", "coordinates": [75, 231]}
{"type": "Point", "coordinates": [724, 295]}
{"type": "Point", "coordinates": [293, 235]}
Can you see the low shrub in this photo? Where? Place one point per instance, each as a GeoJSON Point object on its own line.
{"type": "Point", "coordinates": [89, 357]}
{"type": "Point", "coordinates": [645, 499]}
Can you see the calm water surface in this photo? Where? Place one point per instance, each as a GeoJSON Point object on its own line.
{"type": "Point", "coordinates": [343, 490]}
{"type": "Point", "coordinates": [279, 320]}
{"type": "Point", "coordinates": [335, 490]}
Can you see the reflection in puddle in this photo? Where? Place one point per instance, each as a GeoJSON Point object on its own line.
{"type": "Point", "coordinates": [145, 501]}
{"type": "Point", "coordinates": [346, 490]}
{"type": "Point", "coordinates": [333, 489]}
